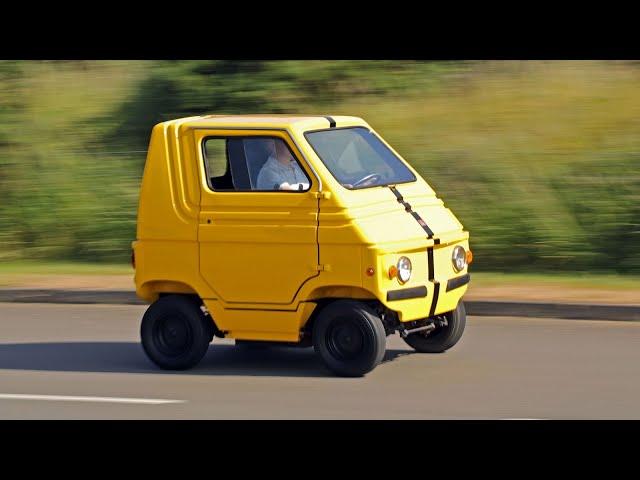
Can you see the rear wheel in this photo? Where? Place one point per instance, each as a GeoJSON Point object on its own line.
{"type": "Point", "coordinates": [175, 333]}
{"type": "Point", "coordinates": [443, 337]}
{"type": "Point", "coordinates": [349, 338]}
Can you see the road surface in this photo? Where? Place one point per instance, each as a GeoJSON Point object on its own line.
{"type": "Point", "coordinates": [85, 362]}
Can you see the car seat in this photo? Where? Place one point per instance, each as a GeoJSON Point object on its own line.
{"type": "Point", "coordinates": [257, 152]}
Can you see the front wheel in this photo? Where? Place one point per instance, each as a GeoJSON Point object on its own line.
{"type": "Point", "coordinates": [349, 338]}
{"type": "Point", "coordinates": [443, 337]}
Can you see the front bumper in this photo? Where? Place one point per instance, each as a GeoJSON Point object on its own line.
{"type": "Point", "coordinates": [422, 291]}
{"type": "Point", "coordinates": [406, 293]}
{"type": "Point", "coordinates": [458, 282]}
{"type": "Point", "coordinates": [433, 298]}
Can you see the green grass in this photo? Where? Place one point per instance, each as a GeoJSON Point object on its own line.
{"type": "Point", "coordinates": [67, 196]}
{"type": "Point", "coordinates": [62, 268]}
{"type": "Point", "coordinates": [590, 280]}
{"type": "Point", "coordinates": [539, 160]}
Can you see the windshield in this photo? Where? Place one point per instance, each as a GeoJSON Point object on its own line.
{"type": "Point", "coordinates": [357, 158]}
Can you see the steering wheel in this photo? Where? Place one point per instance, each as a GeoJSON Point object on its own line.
{"type": "Point", "coordinates": [368, 178]}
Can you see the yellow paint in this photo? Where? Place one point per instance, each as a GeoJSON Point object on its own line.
{"type": "Point", "coordinates": [260, 260]}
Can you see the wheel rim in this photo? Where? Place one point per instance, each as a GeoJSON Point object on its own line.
{"type": "Point", "coordinates": [172, 335]}
{"type": "Point", "coordinates": [345, 339]}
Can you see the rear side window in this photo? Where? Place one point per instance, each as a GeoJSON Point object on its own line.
{"type": "Point", "coordinates": [215, 151]}
{"type": "Point", "coordinates": [216, 164]}
{"type": "Point", "coordinates": [237, 164]}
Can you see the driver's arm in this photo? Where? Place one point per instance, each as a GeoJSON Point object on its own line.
{"type": "Point", "coordinates": [268, 179]}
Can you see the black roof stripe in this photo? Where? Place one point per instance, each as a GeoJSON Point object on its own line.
{"type": "Point", "coordinates": [332, 122]}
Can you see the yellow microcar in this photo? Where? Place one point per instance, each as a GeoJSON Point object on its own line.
{"type": "Point", "coordinates": [299, 230]}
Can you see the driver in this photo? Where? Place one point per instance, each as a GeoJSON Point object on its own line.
{"type": "Point", "coordinates": [281, 171]}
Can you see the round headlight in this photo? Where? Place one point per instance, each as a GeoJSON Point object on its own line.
{"type": "Point", "coordinates": [404, 269]}
{"type": "Point", "coordinates": [459, 258]}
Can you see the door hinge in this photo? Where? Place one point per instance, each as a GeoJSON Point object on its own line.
{"type": "Point", "coordinates": [323, 268]}
{"type": "Point", "coordinates": [325, 195]}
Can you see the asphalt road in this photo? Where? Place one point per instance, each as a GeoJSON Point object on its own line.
{"type": "Point", "coordinates": [85, 362]}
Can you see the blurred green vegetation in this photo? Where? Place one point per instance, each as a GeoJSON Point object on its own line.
{"type": "Point", "coordinates": [595, 281]}
{"type": "Point", "coordinates": [45, 267]}
{"type": "Point", "coordinates": [539, 160]}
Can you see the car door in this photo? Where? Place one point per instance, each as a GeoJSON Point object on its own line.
{"type": "Point", "coordinates": [256, 246]}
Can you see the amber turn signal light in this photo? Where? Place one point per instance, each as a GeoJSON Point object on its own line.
{"type": "Point", "coordinates": [469, 257]}
{"type": "Point", "coordinates": [393, 271]}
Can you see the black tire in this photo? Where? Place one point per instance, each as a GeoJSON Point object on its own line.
{"type": "Point", "coordinates": [175, 333]}
{"type": "Point", "coordinates": [443, 338]}
{"type": "Point", "coordinates": [349, 338]}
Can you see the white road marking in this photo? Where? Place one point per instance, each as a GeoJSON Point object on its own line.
{"type": "Point", "coordinates": [65, 398]}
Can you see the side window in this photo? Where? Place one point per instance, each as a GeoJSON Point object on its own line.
{"type": "Point", "coordinates": [252, 164]}
{"type": "Point", "coordinates": [217, 164]}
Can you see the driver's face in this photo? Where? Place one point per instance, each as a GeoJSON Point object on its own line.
{"type": "Point", "coordinates": [282, 152]}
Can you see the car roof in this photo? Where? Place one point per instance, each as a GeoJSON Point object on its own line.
{"type": "Point", "coordinates": [277, 121]}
